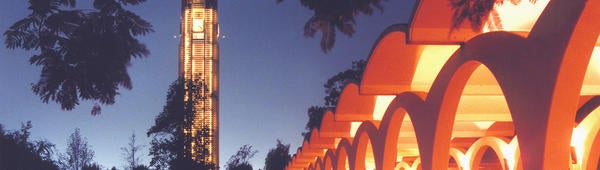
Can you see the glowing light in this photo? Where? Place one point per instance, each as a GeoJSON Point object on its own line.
{"type": "Point", "coordinates": [483, 124]}
{"type": "Point", "coordinates": [381, 104]}
{"type": "Point", "coordinates": [464, 162]}
{"type": "Point", "coordinates": [591, 81]}
{"type": "Point", "coordinates": [577, 141]}
{"type": "Point", "coordinates": [198, 25]}
{"type": "Point", "coordinates": [509, 153]}
{"type": "Point", "coordinates": [520, 16]}
{"type": "Point", "coordinates": [354, 127]}
{"type": "Point", "coordinates": [430, 64]}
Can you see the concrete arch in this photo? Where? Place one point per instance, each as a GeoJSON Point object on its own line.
{"type": "Point", "coordinates": [366, 134]}
{"type": "Point", "coordinates": [541, 77]}
{"type": "Point", "coordinates": [354, 107]}
{"type": "Point", "coordinates": [476, 151]}
{"type": "Point", "coordinates": [590, 160]}
{"type": "Point", "coordinates": [417, 165]}
{"type": "Point", "coordinates": [309, 152]}
{"type": "Point", "coordinates": [318, 142]}
{"type": "Point", "coordinates": [444, 95]}
{"type": "Point", "coordinates": [343, 154]}
{"type": "Point", "coordinates": [384, 77]}
{"type": "Point", "coordinates": [328, 160]}
{"type": "Point", "coordinates": [311, 166]}
{"type": "Point", "coordinates": [459, 156]}
{"type": "Point", "coordinates": [299, 160]}
{"type": "Point", "coordinates": [319, 163]}
{"type": "Point", "coordinates": [392, 123]}
{"type": "Point", "coordinates": [402, 166]}
{"type": "Point", "coordinates": [332, 128]}
{"type": "Point", "coordinates": [562, 21]}
{"type": "Point", "coordinates": [586, 137]}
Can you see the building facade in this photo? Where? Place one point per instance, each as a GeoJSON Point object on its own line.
{"type": "Point", "coordinates": [522, 93]}
{"type": "Point", "coordinates": [199, 61]}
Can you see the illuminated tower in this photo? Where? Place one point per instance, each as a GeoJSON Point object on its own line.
{"type": "Point", "coordinates": [199, 60]}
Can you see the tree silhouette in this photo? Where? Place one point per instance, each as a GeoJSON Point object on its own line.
{"type": "Point", "coordinates": [315, 117]}
{"type": "Point", "coordinates": [239, 161]}
{"type": "Point", "coordinates": [141, 167]}
{"type": "Point", "coordinates": [333, 90]}
{"type": "Point", "coordinates": [78, 153]}
{"type": "Point", "coordinates": [93, 166]}
{"type": "Point", "coordinates": [335, 84]}
{"type": "Point", "coordinates": [331, 16]}
{"type": "Point", "coordinates": [84, 54]}
{"type": "Point", "coordinates": [18, 152]}
{"type": "Point", "coordinates": [278, 157]}
{"type": "Point", "coordinates": [130, 151]}
{"type": "Point", "coordinates": [169, 143]}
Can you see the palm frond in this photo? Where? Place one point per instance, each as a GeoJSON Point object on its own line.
{"type": "Point", "coordinates": [475, 11]}
{"type": "Point", "coordinates": [328, 38]}
{"type": "Point", "coordinates": [131, 2]}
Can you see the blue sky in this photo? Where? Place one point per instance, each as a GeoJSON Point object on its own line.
{"type": "Point", "coordinates": [270, 75]}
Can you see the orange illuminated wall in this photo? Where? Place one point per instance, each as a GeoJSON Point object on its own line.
{"type": "Point", "coordinates": [199, 60]}
{"type": "Point", "coordinates": [522, 93]}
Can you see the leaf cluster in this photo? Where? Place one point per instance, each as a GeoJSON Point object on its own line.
{"type": "Point", "coordinates": [84, 55]}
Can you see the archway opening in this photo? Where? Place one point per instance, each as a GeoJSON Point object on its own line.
{"type": "Point", "coordinates": [488, 160]}
{"type": "Point", "coordinates": [412, 162]}
{"type": "Point", "coordinates": [482, 111]}
{"type": "Point", "coordinates": [407, 146]}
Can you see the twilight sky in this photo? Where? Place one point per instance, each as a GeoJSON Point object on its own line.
{"type": "Point", "coordinates": [270, 75]}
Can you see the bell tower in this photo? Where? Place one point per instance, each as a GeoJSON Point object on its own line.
{"type": "Point", "coordinates": [199, 62]}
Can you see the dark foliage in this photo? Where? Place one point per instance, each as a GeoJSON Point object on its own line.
{"type": "Point", "coordinates": [335, 84]}
{"type": "Point", "coordinates": [239, 161]}
{"type": "Point", "coordinates": [243, 166]}
{"type": "Point", "coordinates": [475, 11]}
{"type": "Point", "coordinates": [333, 90]}
{"type": "Point", "coordinates": [141, 167]}
{"type": "Point", "coordinates": [169, 140]}
{"type": "Point", "coordinates": [331, 16]}
{"type": "Point", "coordinates": [315, 117]}
{"type": "Point", "coordinates": [17, 152]}
{"type": "Point", "coordinates": [278, 157]}
{"type": "Point", "coordinates": [84, 54]}
{"type": "Point", "coordinates": [93, 166]}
